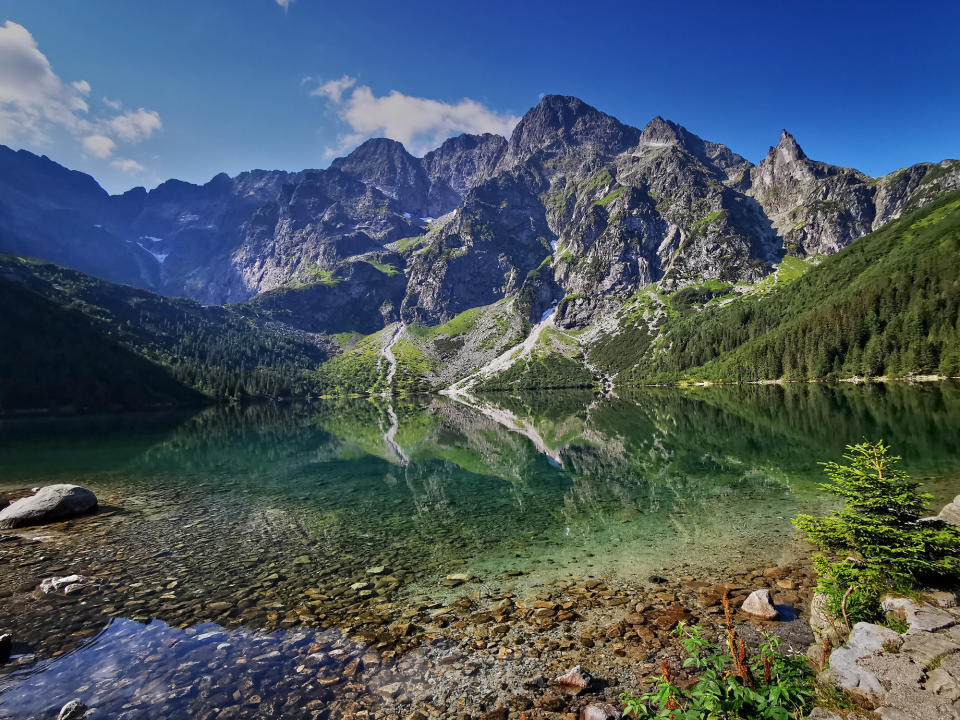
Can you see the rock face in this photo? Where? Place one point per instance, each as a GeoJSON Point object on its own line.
{"type": "Point", "coordinates": [53, 502]}
{"type": "Point", "coordinates": [759, 603]}
{"type": "Point", "coordinates": [950, 512]}
{"type": "Point", "coordinates": [913, 676]}
{"type": "Point", "coordinates": [575, 209]}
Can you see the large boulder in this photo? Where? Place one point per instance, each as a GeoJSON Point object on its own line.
{"type": "Point", "coordinates": [866, 640]}
{"type": "Point", "coordinates": [53, 502]}
{"type": "Point", "coordinates": [951, 512]}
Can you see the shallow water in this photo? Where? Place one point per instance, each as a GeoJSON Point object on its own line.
{"type": "Point", "coordinates": [269, 519]}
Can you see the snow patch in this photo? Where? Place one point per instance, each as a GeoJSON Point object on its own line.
{"type": "Point", "coordinates": [407, 215]}
{"type": "Point", "coordinates": [428, 219]}
{"type": "Point", "coordinates": [159, 257]}
{"type": "Point", "coordinates": [553, 246]}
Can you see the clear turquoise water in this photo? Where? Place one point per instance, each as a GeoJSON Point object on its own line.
{"type": "Point", "coordinates": [257, 506]}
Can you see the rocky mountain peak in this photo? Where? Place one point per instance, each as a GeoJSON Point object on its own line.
{"type": "Point", "coordinates": [559, 122]}
{"type": "Point", "coordinates": [660, 132]}
{"type": "Point", "coordinates": [386, 165]}
{"type": "Point", "coordinates": [787, 149]}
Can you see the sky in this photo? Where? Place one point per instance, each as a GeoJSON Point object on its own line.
{"type": "Point", "coordinates": [135, 92]}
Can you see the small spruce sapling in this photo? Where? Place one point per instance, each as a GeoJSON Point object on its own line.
{"type": "Point", "coordinates": [879, 540]}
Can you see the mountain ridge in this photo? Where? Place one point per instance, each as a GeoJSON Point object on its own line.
{"type": "Point", "coordinates": [575, 214]}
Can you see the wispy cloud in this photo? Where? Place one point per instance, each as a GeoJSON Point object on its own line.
{"type": "Point", "coordinates": [421, 124]}
{"type": "Point", "coordinates": [334, 89]}
{"type": "Point", "coordinates": [284, 3]}
{"type": "Point", "coordinates": [34, 101]}
{"type": "Point", "coordinates": [131, 167]}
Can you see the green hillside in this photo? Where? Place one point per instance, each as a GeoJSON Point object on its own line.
{"type": "Point", "coordinates": [73, 340]}
{"type": "Point", "coordinates": [887, 305]}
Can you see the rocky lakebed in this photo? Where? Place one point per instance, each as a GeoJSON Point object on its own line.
{"type": "Point", "coordinates": [97, 615]}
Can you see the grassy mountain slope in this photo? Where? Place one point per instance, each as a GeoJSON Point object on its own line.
{"type": "Point", "coordinates": [889, 304]}
{"type": "Point", "coordinates": [71, 339]}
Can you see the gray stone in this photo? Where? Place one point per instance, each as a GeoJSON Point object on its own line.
{"type": "Point", "coordinates": [73, 710]}
{"type": "Point", "coordinates": [759, 603]}
{"type": "Point", "coordinates": [942, 598]}
{"type": "Point", "coordinates": [919, 616]}
{"type": "Point", "coordinates": [942, 683]}
{"type": "Point", "coordinates": [913, 703]}
{"type": "Point", "coordinates": [61, 584]}
{"type": "Point", "coordinates": [951, 512]}
{"type": "Point", "coordinates": [3, 503]}
{"type": "Point", "coordinates": [845, 671]}
{"type": "Point", "coordinates": [6, 647]}
{"type": "Point", "coordinates": [923, 647]}
{"type": "Point", "coordinates": [53, 502]}
{"type": "Point", "coordinates": [823, 714]}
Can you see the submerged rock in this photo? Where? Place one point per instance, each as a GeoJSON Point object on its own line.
{"type": "Point", "coordinates": [73, 710]}
{"type": "Point", "coordinates": [759, 603]}
{"type": "Point", "coordinates": [67, 585]}
{"type": "Point", "coordinates": [53, 502]}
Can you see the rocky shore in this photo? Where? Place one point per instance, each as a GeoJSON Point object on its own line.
{"type": "Point", "coordinates": [78, 593]}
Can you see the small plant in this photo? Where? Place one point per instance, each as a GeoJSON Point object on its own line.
{"type": "Point", "coordinates": [730, 684]}
{"type": "Point", "coordinates": [897, 624]}
{"type": "Point", "coordinates": [878, 539]}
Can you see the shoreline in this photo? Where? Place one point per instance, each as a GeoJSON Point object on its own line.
{"type": "Point", "coordinates": [469, 651]}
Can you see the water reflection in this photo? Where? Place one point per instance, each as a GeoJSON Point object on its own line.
{"type": "Point", "coordinates": [145, 670]}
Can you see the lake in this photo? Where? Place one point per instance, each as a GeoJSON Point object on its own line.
{"type": "Point", "coordinates": [254, 538]}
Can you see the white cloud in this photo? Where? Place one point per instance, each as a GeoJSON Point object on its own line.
{"type": "Point", "coordinates": [131, 167]}
{"type": "Point", "coordinates": [34, 101]}
{"type": "Point", "coordinates": [334, 89]}
{"type": "Point", "coordinates": [32, 97]}
{"type": "Point", "coordinates": [284, 3]}
{"type": "Point", "coordinates": [135, 125]}
{"type": "Point", "coordinates": [99, 145]}
{"type": "Point", "coordinates": [421, 124]}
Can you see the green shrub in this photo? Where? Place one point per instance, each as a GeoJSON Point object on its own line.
{"type": "Point", "coordinates": [878, 533]}
{"type": "Point", "coordinates": [768, 686]}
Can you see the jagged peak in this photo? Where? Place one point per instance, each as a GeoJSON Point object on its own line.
{"type": "Point", "coordinates": [661, 132]}
{"type": "Point", "coordinates": [787, 148]}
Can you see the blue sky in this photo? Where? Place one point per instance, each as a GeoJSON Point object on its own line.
{"type": "Point", "coordinates": [136, 92]}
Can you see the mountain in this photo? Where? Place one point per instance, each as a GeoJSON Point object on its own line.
{"type": "Point", "coordinates": [552, 234]}
{"type": "Point", "coordinates": [78, 342]}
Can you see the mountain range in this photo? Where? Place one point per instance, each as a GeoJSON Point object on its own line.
{"type": "Point", "coordinates": [420, 272]}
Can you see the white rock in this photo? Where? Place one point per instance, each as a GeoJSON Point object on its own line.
{"type": "Point", "coordinates": [919, 616]}
{"type": "Point", "coordinates": [759, 603]}
{"type": "Point", "coordinates": [53, 502]}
